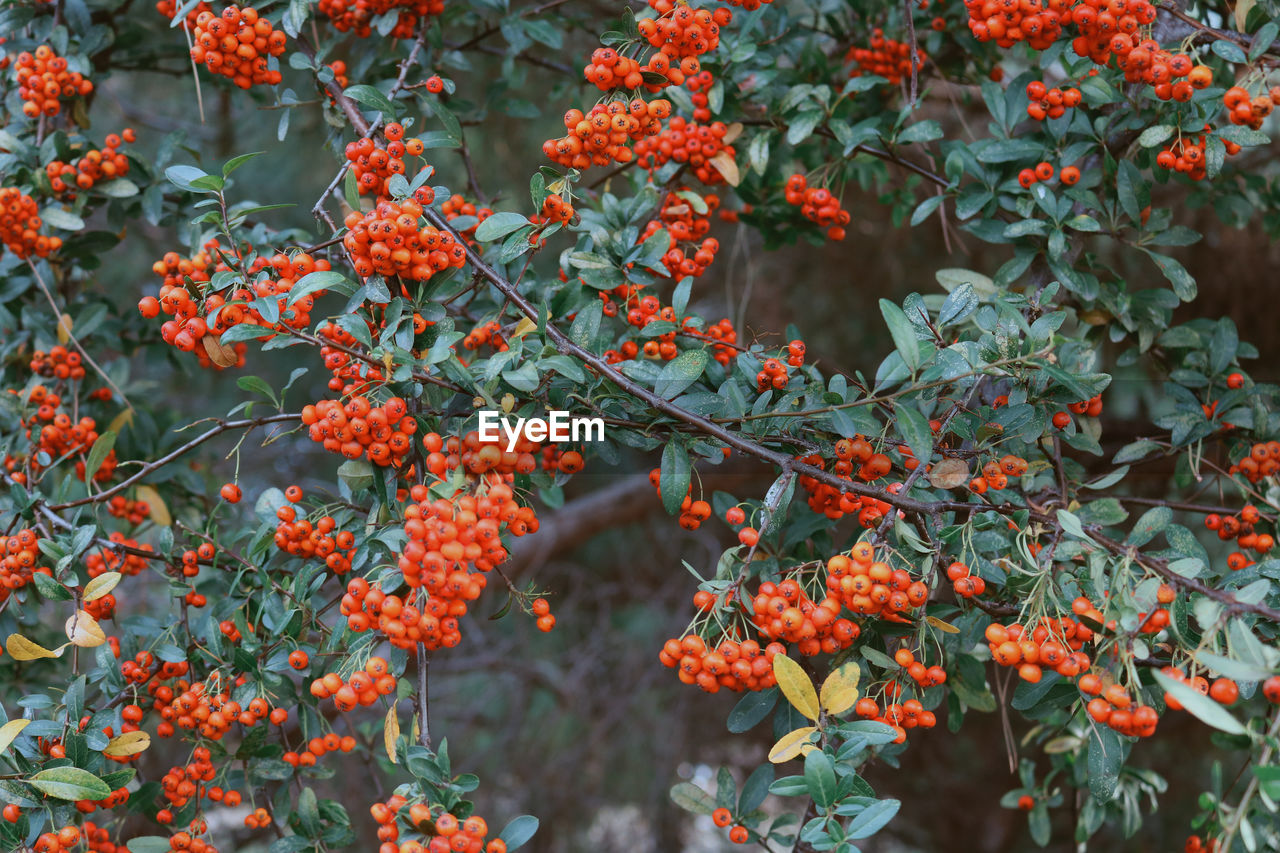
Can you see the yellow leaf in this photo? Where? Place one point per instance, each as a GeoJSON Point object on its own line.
{"type": "Point", "coordinates": [129, 743]}
{"type": "Point", "coordinates": [944, 627]}
{"type": "Point", "coordinates": [159, 512]}
{"type": "Point", "coordinates": [524, 327]}
{"type": "Point", "coordinates": [84, 631]}
{"type": "Point", "coordinates": [20, 648]}
{"type": "Point", "coordinates": [949, 473]}
{"type": "Point", "coordinates": [840, 690]}
{"type": "Point", "coordinates": [796, 686]}
{"type": "Point", "coordinates": [391, 732]}
{"type": "Point", "coordinates": [732, 132]}
{"type": "Point", "coordinates": [791, 744]}
{"type": "Point", "coordinates": [64, 328]}
{"type": "Point", "coordinates": [508, 403]}
{"type": "Point", "coordinates": [219, 353]}
{"type": "Point", "coordinates": [723, 163]}
{"type": "Point", "coordinates": [1242, 13]}
{"type": "Point", "coordinates": [10, 731]}
{"type": "Point", "coordinates": [101, 585]}
{"type": "Point", "coordinates": [1066, 743]}
{"type": "Point", "coordinates": [417, 730]}
{"type": "Point", "coordinates": [120, 421]}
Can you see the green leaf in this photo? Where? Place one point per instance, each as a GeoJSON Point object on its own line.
{"type": "Point", "coordinates": [586, 325]}
{"type": "Point", "coordinates": [1071, 525]}
{"type": "Point", "coordinates": [256, 385]}
{"type": "Point", "coordinates": [1106, 755]}
{"type": "Point", "coordinates": [691, 798]}
{"type": "Point", "coordinates": [915, 429]}
{"type": "Point", "coordinates": [755, 789]}
{"type": "Point", "coordinates": [117, 188]}
{"type": "Point", "coordinates": [820, 777]}
{"type": "Point", "coordinates": [59, 218]}
{"type": "Point", "coordinates": [236, 162]}
{"type": "Point", "coordinates": [904, 336]}
{"type": "Point", "coordinates": [149, 844]}
{"type": "Point", "coordinates": [673, 477]}
{"type": "Point", "coordinates": [519, 830]}
{"type": "Point", "coordinates": [1154, 135]}
{"type": "Point", "coordinates": [753, 707]}
{"type": "Point", "coordinates": [500, 225]}
{"type": "Point", "coordinates": [1183, 284]}
{"type": "Point", "coordinates": [1263, 39]}
{"type": "Point", "coordinates": [681, 372]}
{"type": "Point", "coordinates": [372, 98]}
{"type": "Point", "coordinates": [801, 127]}
{"type": "Point", "coordinates": [104, 445]}
{"type": "Point", "coordinates": [873, 818]}
{"type": "Point", "coordinates": [70, 783]}
{"type": "Point", "coordinates": [1200, 706]}
{"type": "Point", "coordinates": [1152, 522]}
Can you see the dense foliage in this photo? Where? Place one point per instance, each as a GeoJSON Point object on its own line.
{"type": "Point", "coordinates": [945, 533]}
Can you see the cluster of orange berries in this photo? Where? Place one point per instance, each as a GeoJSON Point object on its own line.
{"type": "Point", "coordinates": [20, 226]}
{"type": "Point", "coordinates": [1224, 691]}
{"type": "Point", "coordinates": [900, 715]}
{"type": "Point", "coordinates": [98, 164]}
{"type": "Point", "coordinates": [44, 81]}
{"type": "Point", "coordinates": [301, 538]}
{"type": "Point", "coordinates": [448, 834]}
{"type": "Point", "coordinates": [183, 784]}
{"type": "Point", "coordinates": [1112, 706]}
{"type": "Point", "coordinates": [774, 373]}
{"type": "Point", "coordinates": [784, 611]}
{"type": "Point", "coordinates": [1044, 171]}
{"type": "Point", "coordinates": [886, 57]}
{"type": "Point", "coordinates": [1196, 844]}
{"type": "Point", "coordinates": [357, 16]}
{"type": "Point", "coordinates": [388, 240]}
{"type": "Point", "coordinates": [834, 503]}
{"type": "Point", "coordinates": [1185, 155]}
{"type": "Point", "coordinates": [195, 317]}
{"type": "Point", "coordinates": [489, 333]}
{"type": "Point", "coordinates": [685, 225]}
{"type": "Point", "coordinates": [359, 428]}
{"type": "Point", "coordinates": [190, 707]}
{"type": "Point", "coordinates": [457, 206]}
{"type": "Point", "coordinates": [110, 560]}
{"type": "Point", "coordinates": [362, 687]}
{"type": "Point", "coordinates": [57, 842]}
{"type": "Point", "coordinates": [57, 363]}
{"type": "Point", "coordinates": [1050, 102]}
{"type": "Point", "coordinates": [682, 34]}
{"type": "Point", "coordinates": [1172, 76]}
{"type": "Point", "coordinates": [818, 204]}
{"type": "Point", "coordinates": [348, 372]}
{"type": "Point", "coordinates": [700, 85]}
{"type": "Point", "coordinates": [870, 587]}
{"type": "Point", "coordinates": [133, 511]}
{"type": "Point", "coordinates": [734, 665]}
{"type": "Point", "coordinates": [600, 137]}
{"type": "Point", "coordinates": [319, 747]}
{"type": "Point", "coordinates": [924, 676]}
{"type": "Point", "coordinates": [1053, 644]}
{"type": "Point", "coordinates": [1249, 111]}
{"type": "Point", "coordinates": [722, 817]}
{"type": "Point", "coordinates": [237, 44]}
{"type": "Point", "coordinates": [964, 582]}
{"type": "Point", "coordinates": [20, 560]}
{"type": "Point", "coordinates": [556, 210]}
{"type": "Point", "coordinates": [143, 667]}
{"type": "Point", "coordinates": [608, 69]}
{"type": "Point", "coordinates": [58, 435]}
{"type": "Point", "coordinates": [1241, 527]}
{"type": "Point", "coordinates": [688, 143]}
{"type": "Point", "coordinates": [1262, 460]}
{"type": "Point", "coordinates": [374, 166]}
{"type": "Point", "coordinates": [996, 473]}
{"type": "Point", "coordinates": [481, 457]}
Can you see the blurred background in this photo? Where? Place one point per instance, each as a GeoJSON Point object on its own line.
{"type": "Point", "coordinates": [583, 727]}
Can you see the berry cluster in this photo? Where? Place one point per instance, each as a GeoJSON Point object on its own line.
{"type": "Point", "coordinates": [457, 206]}
{"type": "Point", "coordinates": [55, 435]}
{"type": "Point", "coordinates": [871, 587]}
{"type": "Point", "coordinates": [1185, 155]}
{"type": "Point", "coordinates": [199, 320]}
{"type": "Point", "coordinates": [818, 204]}
{"type": "Point", "coordinates": [1112, 706]}
{"type": "Point", "coordinates": [964, 582]}
{"type": "Point", "coordinates": [1262, 460]}
{"type": "Point", "coordinates": [1241, 527]}
{"type": "Point", "coordinates": [735, 665]}
{"type": "Point", "coordinates": [600, 137]}
{"type": "Point", "coordinates": [1224, 691]}
{"type": "Point", "coordinates": [774, 372]}
{"type": "Point", "coordinates": [785, 612]}
{"type": "Point", "coordinates": [237, 44]}
{"type": "Point", "coordinates": [110, 560]}
{"type": "Point", "coordinates": [301, 538]}
{"type": "Point", "coordinates": [191, 707]}
{"type": "Point", "coordinates": [319, 747]}
{"type": "Point", "coordinates": [924, 676]}
{"type": "Point", "coordinates": [348, 372]}
{"type": "Point", "coordinates": [696, 145]}
{"type": "Point", "coordinates": [57, 363]}
{"type": "Point", "coordinates": [358, 428]}
{"type": "Point", "coordinates": [44, 82]}
{"type": "Point", "coordinates": [700, 85]}
{"type": "Point", "coordinates": [478, 457]}
{"type": "Point", "coordinates": [1242, 109]}
{"type": "Point", "coordinates": [20, 226]}
{"type": "Point", "coordinates": [362, 687]}
{"type": "Point", "coordinates": [886, 57]}
{"type": "Point", "coordinates": [1053, 644]}
{"type": "Point", "coordinates": [98, 164]}
{"type": "Point", "coordinates": [996, 473]}
{"type": "Point", "coordinates": [132, 511]}
{"type": "Point", "coordinates": [58, 842]}
{"type": "Point", "coordinates": [374, 166]}
{"type": "Point", "coordinates": [448, 834]}
{"type": "Point", "coordinates": [357, 16]}
{"type": "Point", "coordinates": [555, 209]}
{"type": "Point", "coordinates": [19, 561]}
{"type": "Point", "coordinates": [901, 715]}
{"type": "Point", "coordinates": [486, 334]}
{"type": "Point", "coordinates": [389, 241]}
{"type": "Point", "coordinates": [682, 34]}
{"type": "Point", "coordinates": [685, 225]}
{"type": "Point", "coordinates": [692, 514]}
{"type": "Point", "coordinates": [169, 8]}
{"type": "Point", "coordinates": [1050, 102]}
